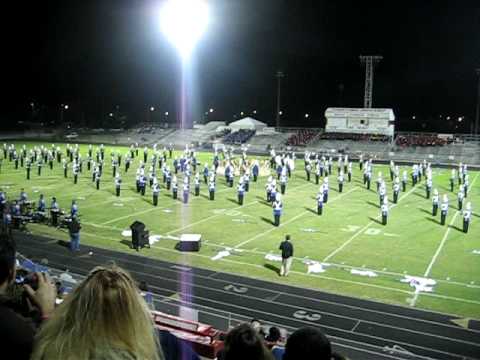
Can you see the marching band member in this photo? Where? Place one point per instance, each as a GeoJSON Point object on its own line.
{"type": "Point", "coordinates": [241, 193]}
{"type": "Point", "coordinates": [325, 190]}
{"type": "Point", "coordinates": [428, 187]}
{"type": "Point", "coordinates": [340, 181]}
{"type": "Point", "coordinates": [396, 191]}
{"type": "Point", "coordinates": [444, 209]}
{"type": "Point", "coordinates": [320, 201]}
{"type": "Point", "coordinates": [460, 197]}
{"type": "Point", "coordinates": [384, 210]}
{"type": "Point", "coordinates": [118, 182]}
{"type": "Point", "coordinates": [435, 201]}
{"type": "Point", "coordinates": [467, 215]}
{"type": "Point", "coordinates": [211, 188]}
{"type": "Point", "coordinates": [277, 209]}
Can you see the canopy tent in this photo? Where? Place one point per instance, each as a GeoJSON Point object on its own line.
{"type": "Point", "coordinates": [247, 123]}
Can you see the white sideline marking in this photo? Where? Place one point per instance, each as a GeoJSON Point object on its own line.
{"type": "Point", "coordinates": [354, 236]}
{"type": "Point", "coordinates": [287, 222]}
{"type": "Point", "coordinates": [304, 274]}
{"type": "Point", "coordinates": [102, 226]}
{"type": "Point", "coordinates": [439, 249]}
{"type": "Point", "coordinates": [342, 265]}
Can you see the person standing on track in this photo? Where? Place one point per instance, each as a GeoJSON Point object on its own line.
{"type": "Point", "coordinates": [287, 255]}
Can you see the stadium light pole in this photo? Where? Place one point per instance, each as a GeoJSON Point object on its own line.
{"type": "Point", "coordinates": [62, 109]}
{"type": "Point", "coordinates": [280, 75]}
{"type": "Point", "coordinates": [183, 22]}
{"type": "Point", "coordinates": [477, 113]}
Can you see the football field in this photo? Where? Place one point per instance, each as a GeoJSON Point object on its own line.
{"type": "Point", "coordinates": [346, 250]}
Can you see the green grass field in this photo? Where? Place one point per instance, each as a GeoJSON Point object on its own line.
{"type": "Point", "coordinates": [347, 236]}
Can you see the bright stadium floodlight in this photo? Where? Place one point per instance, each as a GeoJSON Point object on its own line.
{"type": "Point", "coordinates": [184, 22]}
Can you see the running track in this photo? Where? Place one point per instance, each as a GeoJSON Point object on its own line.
{"type": "Point", "coordinates": [358, 328]}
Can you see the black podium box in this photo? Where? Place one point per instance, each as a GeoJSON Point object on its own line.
{"type": "Point", "coordinates": [139, 235]}
{"type": "Point", "coordinates": [190, 242]}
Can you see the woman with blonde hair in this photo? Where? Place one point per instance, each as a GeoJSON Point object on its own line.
{"type": "Point", "coordinates": [104, 318]}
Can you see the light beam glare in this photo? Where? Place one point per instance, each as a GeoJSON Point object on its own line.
{"type": "Point", "coordinates": [184, 22]}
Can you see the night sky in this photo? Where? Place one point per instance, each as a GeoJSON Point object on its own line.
{"type": "Point", "coordinates": [95, 55]}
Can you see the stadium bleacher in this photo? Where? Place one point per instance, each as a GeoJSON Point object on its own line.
{"type": "Point", "coordinates": [302, 137]}
{"type": "Point", "coordinates": [239, 137]}
{"type": "Point", "coordinates": [421, 140]}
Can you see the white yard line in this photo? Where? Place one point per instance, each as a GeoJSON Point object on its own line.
{"type": "Point", "coordinates": [131, 215]}
{"type": "Point", "coordinates": [440, 247]}
{"type": "Point", "coordinates": [344, 266]}
{"type": "Point", "coordinates": [354, 236]}
{"type": "Point", "coordinates": [158, 208]}
{"type": "Point", "coordinates": [148, 210]}
{"type": "Point", "coordinates": [102, 226]}
{"type": "Point", "coordinates": [217, 215]}
{"type": "Point", "coordinates": [101, 203]}
{"type": "Point", "coordinates": [287, 222]}
{"type": "Point", "coordinates": [209, 218]}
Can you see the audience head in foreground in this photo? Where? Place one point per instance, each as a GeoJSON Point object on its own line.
{"type": "Point", "coordinates": [104, 318]}
{"type": "Point", "coordinates": [309, 343]}
{"type": "Point", "coordinates": [243, 342]}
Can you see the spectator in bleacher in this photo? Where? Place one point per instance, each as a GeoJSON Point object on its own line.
{"type": "Point", "coordinates": [16, 331]}
{"type": "Point", "coordinates": [104, 318]}
{"type": "Point", "coordinates": [243, 342]}
{"type": "Point", "coordinates": [272, 341]}
{"type": "Point", "coordinates": [258, 327]}
{"type": "Point", "coordinates": [309, 343]}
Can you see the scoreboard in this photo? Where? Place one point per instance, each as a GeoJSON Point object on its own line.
{"type": "Point", "coordinates": [360, 121]}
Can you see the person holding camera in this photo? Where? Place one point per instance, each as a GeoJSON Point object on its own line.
{"type": "Point", "coordinates": [16, 331]}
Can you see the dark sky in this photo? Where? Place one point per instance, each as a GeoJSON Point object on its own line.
{"type": "Point", "coordinates": [98, 54]}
